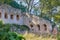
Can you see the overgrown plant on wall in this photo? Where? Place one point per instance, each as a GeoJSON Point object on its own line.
{"type": "Point", "coordinates": [6, 34]}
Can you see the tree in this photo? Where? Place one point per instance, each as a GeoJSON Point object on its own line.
{"type": "Point", "coordinates": [47, 8]}
{"type": "Point", "coordinates": [14, 4]}
{"type": "Point", "coordinates": [5, 1]}
{"type": "Point", "coordinates": [30, 5]}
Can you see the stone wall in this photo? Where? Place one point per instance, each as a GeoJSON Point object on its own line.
{"type": "Point", "coordinates": [36, 24]}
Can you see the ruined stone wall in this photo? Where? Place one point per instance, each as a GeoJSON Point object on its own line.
{"type": "Point", "coordinates": [37, 24]}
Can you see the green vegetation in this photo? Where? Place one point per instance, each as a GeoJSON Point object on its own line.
{"type": "Point", "coordinates": [18, 6]}
{"type": "Point", "coordinates": [31, 36]}
{"type": "Point", "coordinates": [58, 36]}
{"type": "Point", "coordinates": [24, 27]}
{"type": "Point", "coordinates": [5, 33]}
{"type": "Point", "coordinates": [10, 36]}
{"type": "Point", "coordinates": [14, 4]}
{"type": "Point", "coordinates": [21, 27]}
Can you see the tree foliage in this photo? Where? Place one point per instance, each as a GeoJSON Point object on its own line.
{"type": "Point", "coordinates": [47, 8]}
{"type": "Point", "coordinates": [5, 33]}
{"type": "Point", "coordinates": [5, 1]}
{"type": "Point", "coordinates": [31, 5]}
{"type": "Point", "coordinates": [14, 4]}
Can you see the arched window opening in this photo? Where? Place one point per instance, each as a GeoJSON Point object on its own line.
{"type": "Point", "coordinates": [45, 27]}
{"type": "Point", "coordinates": [6, 16]}
{"type": "Point", "coordinates": [38, 27]}
{"type": "Point", "coordinates": [17, 17]}
{"type": "Point", "coordinates": [11, 16]}
{"type": "Point", "coordinates": [0, 14]}
{"type": "Point", "coordinates": [31, 25]}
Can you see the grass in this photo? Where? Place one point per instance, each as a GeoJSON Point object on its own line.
{"type": "Point", "coordinates": [31, 36]}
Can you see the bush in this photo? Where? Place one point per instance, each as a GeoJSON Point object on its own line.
{"type": "Point", "coordinates": [5, 33]}
{"type": "Point", "coordinates": [10, 36]}
{"type": "Point", "coordinates": [58, 36]}
{"type": "Point", "coordinates": [24, 27]}
{"type": "Point", "coordinates": [1, 24]}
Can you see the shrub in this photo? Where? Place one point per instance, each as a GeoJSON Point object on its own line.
{"type": "Point", "coordinates": [5, 33]}
{"type": "Point", "coordinates": [1, 24]}
{"type": "Point", "coordinates": [58, 36]}
{"type": "Point", "coordinates": [24, 27]}
{"type": "Point", "coordinates": [10, 36]}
